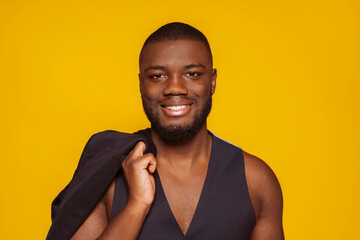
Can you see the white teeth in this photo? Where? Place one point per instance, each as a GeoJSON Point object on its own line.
{"type": "Point", "coordinates": [176, 107]}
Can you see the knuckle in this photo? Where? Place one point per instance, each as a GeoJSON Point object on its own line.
{"type": "Point", "coordinates": [133, 164]}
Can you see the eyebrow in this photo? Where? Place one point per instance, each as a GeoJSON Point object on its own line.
{"type": "Point", "coordinates": [158, 67]}
{"type": "Point", "coordinates": [194, 66]}
{"type": "Point", "coordinates": [154, 68]}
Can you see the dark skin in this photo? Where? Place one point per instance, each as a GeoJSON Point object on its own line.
{"type": "Point", "coordinates": [169, 71]}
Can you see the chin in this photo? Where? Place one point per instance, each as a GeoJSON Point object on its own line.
{"type": "Point", "coordinates": [176, 133]}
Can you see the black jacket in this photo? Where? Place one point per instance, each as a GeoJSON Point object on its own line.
{"type": "Point", "coordinates": [98, 165]}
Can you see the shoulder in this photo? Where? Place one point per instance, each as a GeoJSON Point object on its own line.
{"type": "Point", "coordinates": [257, 169]}
{"type": "Point", "coordinates": [109, 139]}
{"type": "Point", "coordinates": [261, 180]}
{"type": "Point", "coordinates": [264, 188]}
{"type": "Point", "coordinates": [106, 138]}
{"type": "Point", "coordinates": [224, 147]}
{"type": "Point", "coordinates": [102, 141]}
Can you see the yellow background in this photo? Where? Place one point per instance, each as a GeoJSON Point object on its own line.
{"type": "Point", "coordinates": [287, 91]}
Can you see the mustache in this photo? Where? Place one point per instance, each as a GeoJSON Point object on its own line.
{"type": "Point", "coordinates": [176, 98]}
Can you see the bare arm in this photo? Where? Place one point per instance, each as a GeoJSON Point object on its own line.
{"type": "Point", "coordinates": [138, 169]}
{"type": "Point", "coordinates": [266, 196]}
{"type": "Point", "coordinates": [125, 225]}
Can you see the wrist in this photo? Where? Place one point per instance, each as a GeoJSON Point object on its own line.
{"type": "Point", "coordinates": [137, 207]}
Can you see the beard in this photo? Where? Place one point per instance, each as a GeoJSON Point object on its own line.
{"type": "Point", "coordinates": [178, 133]}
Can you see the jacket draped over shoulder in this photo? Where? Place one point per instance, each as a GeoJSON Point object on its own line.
{"type": "Point", "coordinates": [98, 165]}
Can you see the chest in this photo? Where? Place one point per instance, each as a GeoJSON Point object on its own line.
{"type": "Point", "coordinates": [211, 205]}
{"type": "Point", "coordinates": [183, 193]}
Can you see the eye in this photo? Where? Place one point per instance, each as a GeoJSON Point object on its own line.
{"type": "Point", "coordinates": [157, 76]}
{"type": "Point", "coordinates": [193, 74]}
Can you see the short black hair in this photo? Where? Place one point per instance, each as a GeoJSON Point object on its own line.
{"type": "Point", "coordinates": [177, 31]}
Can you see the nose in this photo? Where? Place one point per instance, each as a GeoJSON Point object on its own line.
{"type": "Point", "coordinates": [175, 86]}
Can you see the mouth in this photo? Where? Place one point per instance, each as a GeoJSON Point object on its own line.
{"type": "Point", "coordinates": [176, 110]}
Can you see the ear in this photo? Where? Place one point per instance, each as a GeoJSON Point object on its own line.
{"type": "Point", "coordinates": [213, 80]}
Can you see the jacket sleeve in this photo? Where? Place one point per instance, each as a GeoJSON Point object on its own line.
{"type": "Point", "coordinates": [57, 201]}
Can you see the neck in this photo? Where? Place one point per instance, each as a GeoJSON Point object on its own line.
{"type": "Point", "coordinates": [184, 152]}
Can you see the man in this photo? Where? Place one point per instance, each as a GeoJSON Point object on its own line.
{"type": "Point", "coordinates": [196, 186]}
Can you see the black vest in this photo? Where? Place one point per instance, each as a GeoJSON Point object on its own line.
{"type": "Point", "coordinates": [224, 210]}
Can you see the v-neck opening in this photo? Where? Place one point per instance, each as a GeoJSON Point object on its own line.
{"type": "Point", "coordinates": [203, 190]}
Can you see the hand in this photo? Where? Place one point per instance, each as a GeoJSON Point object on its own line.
{"type": "Point", "coordinates": [138, 169]}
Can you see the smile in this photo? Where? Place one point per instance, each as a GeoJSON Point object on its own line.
{"type": "Point", "coordinates": [176, 111]}
{"type": "Point", "coordinates": [177, 107]}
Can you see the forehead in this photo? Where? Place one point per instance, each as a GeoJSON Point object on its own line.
{"type": "Point", "coordinates": [175, 53]}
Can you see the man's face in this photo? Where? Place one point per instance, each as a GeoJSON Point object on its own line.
{"type": "Point", "coordinates": [176, 84]}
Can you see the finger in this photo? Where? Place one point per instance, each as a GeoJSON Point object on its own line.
{"type": "Point", "coordinates": [152, 165]}
{"type": "Point", "coordinates": [138, 149]}
{"type": "Point", "coordinates": [152, 168]}
{"type": "Point", "coordinates": [145, 161]}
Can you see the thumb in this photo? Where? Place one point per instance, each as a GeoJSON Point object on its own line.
{"type": "Point", "coordinates": [139, 149]}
